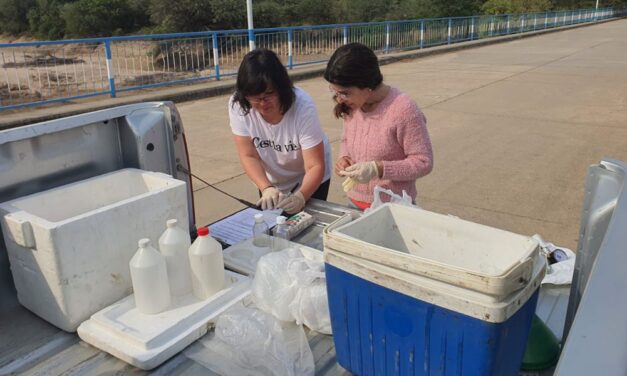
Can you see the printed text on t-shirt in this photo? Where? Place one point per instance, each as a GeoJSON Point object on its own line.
{"type": "Point", "coordinates": [260, 144]}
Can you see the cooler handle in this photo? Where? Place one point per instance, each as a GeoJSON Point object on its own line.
{"type": "Point", "coordinates": [20, 230]}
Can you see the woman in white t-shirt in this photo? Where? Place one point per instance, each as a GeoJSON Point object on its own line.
{"type": "Point", "coordinates": [278, 135]}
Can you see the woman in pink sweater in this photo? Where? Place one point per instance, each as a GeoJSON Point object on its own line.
{"type": "Point", "coordinates": [384, 140]}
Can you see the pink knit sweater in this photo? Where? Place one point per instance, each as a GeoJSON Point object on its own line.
{"type": "Point", "coordinates": [395, 132]}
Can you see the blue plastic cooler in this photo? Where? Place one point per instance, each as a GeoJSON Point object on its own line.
{"type": "Point", "coordinates": [402, 303]}
{"type": "Point", "coordinates": [378, 331]}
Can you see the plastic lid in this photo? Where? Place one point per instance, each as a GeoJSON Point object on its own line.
{"type": "Point", "coordinates": [259, 217]}
{"type": "Point", "coordinates": [143, 243]}
{"type": "Point", "coordinates": [281, 220]}
{"type": "Point", "coordinates": [171, 223]}
{"type": "Point", "coordinates": [203, 231]}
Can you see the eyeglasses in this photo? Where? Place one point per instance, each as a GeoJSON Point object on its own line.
{"type": "Point", "coordinates": [343, 95]}
{"type": "Point", "coordinates": [268, 97]}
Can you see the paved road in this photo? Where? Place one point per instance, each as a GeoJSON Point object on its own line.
{"type": "Point", "coordinates": [514, 127]}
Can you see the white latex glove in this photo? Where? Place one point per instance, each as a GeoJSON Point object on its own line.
{"type": "Point", "coordinates": [269, 198]}
{"type": "Point", "coordinates": [293, 203]}
{"type": "Point", "coordinates": [348, 184]}
{"type": "Point", "coordinates": [362, 172]}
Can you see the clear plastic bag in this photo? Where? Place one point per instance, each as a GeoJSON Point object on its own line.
{"type": "Point", "coordinates": [248, 341]}
{"type": "Point", "coordinates": [292, 287]}
{"type": "Point", "coordinates": [394, 198]}
{"type": "Point", "coordinates": [310, 305]}
{"type": "Point", "coordinates": [273, 288]}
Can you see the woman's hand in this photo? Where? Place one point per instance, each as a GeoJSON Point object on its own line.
{"type": "Point", "coordinates": [341, 164]}
{"type": "Point", "coordinates": [362, 172]}
{"type": "Point", "coordinates": [269, 198]}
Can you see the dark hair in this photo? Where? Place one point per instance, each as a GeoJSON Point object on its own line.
{"type": "Point", "coordinates": [259, 71]}
{"type": "Point", "coordinates": [353, 64]}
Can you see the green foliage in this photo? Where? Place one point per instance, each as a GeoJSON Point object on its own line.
{"type": "Point", "coordinates": [95, 18]}
{"type": "Point", "coordinates": [181, 15]}
{"type": "Point", "coordinates": [515, 6]}
{"type": "Point", "coordinates": [51, 19]}
{"type": "Point", "coordinates": [13, 15]}
{"type": "Point", "coordinates": [45, 20]}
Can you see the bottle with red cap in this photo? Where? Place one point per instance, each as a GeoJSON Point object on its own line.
{"type": "Point", "coordinates": [207, 265]}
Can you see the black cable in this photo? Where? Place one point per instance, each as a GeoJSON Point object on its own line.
{"type": "Point", "coordinates": [241, 201]}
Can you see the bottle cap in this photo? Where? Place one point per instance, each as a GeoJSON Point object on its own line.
{"type": "Point", "coordinates": [281, 220]}
{"type": "Point", "coordinates": [203, 231]}
{"type": "Point", "coordinates": [259, 217]}
{"type": "Point", "coordinates": [143, 243]}
{"type": "Point", "coordinates": [171, 223]}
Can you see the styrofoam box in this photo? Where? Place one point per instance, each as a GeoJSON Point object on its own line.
{"type": "Point", "coordinates": [441, 247]}
{"type": "Point", "coordinates": [69, 247]}
{"type": "Point", "coordinates": [146, 341]}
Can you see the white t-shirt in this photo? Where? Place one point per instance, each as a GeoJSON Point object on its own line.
{"type": "Point", "coordinates": [280, 145]}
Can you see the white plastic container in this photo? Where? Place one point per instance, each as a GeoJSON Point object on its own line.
{"type": "Point", "coordinates": [150, 279]}
{"type": "Point", "coordinates": [261, 232]}
{"type": "Point", "coordinates": [280, 240]}
{"type": "Point", "coordinates": [174, 244]}
{"type": "Point", "coordinates": [207, 265]}
{"type": "Point", "coordinates": [69, 247]}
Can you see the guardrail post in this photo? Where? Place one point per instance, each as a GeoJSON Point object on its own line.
{"type": "Point", "coordinates": [290, 52]}
{"type": "Point", "coordinates": [387, 37]}
{"type": "Point", "coordinates": [450, 20]}
{"type": "Point", "coordinates": [345, 34]}
{"type": "Point", "coordinates": [110, 73]}
{"type": "Point", "coordinates": [564, 22]}
{"type": "Point", "coordinates": [522, 24]}
{"type": "Point", "coordinates": [546, 19]}
{"type": "Point", "coordinates": [555, 23]}
{"type": "Point", "coordinates": [216, 57]}
{"type": "Point", "coordinates": [491, 25]}
{"type": "Point", "coordinates": [507, 32]}
{"type": "Point", "coordinates": [472, 28]}
{"type": "Point", "coordinates": [535, 21]}
{"type": "Point", "coordinates": [422, 33]}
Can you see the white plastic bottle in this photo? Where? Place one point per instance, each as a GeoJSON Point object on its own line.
{"type": "Point", "coordinates": [174, 244]}
{"type": "Point", "coordinates": [207, 264]}
{"type": "Point", "coordinates": [261, 232]}
{"type": "Point", "coordinates": [280, 240]}
{"type": "Point", "coordinates": [150, 279]}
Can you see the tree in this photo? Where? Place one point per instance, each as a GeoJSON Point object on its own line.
{"type": "Point", "coordinates": [181, 15]}
{"type": "Point", "coordinates": [13, 15]}
{"type": "Point", "coordinates": [45, 20]}
{"type": "Point", "coordinates": [97, 18]}
{"type": "Point", "coordinates": [516, 6]}
{"type": "Point", "coordinates": [457, 8]}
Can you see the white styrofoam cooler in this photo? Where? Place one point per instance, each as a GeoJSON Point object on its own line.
{"type": "Point", "coordinates": [69, 247]}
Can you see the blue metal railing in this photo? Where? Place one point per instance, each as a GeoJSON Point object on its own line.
{"type": "Point", "coordinates": [37, 73]}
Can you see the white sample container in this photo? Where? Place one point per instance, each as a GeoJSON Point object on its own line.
{"type": "Point", "coordinates": [207, 264]}
{"type": "Point", "coordinates": [69, 247]}
{"type": "Point", "coordinates": [174, 244]}
{"type": "Point", "coordinates": [150, 279]}
{"type": "Point", "coordinates": [280, 241]}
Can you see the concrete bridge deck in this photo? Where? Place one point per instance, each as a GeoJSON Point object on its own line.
{"type": "Point", "coordinates": [514, 127]}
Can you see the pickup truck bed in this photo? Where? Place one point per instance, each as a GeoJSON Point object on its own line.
{"type": "Point", "coordinates": [150, 136]}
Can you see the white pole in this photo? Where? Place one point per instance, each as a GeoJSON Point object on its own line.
{"type": "Point", "coordinates": [596, 10]}
{"type": "Point", "coordinates": [251, 34]}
